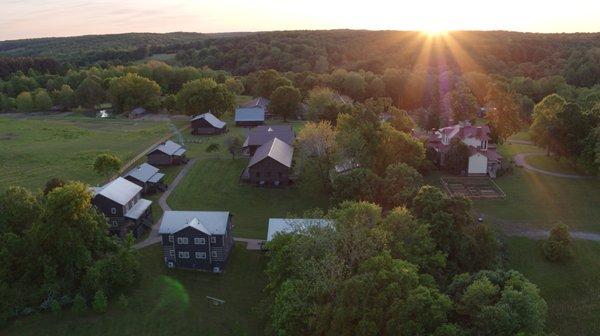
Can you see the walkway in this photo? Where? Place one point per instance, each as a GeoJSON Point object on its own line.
{"type": "Point", "coordinates": [521, 161]}
{"type": "Point", "coordinates": [153, 237]}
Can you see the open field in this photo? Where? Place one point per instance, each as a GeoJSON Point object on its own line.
{"type": "Point", "coordinates": [171, 302]}
{"type": "Point", "coordinates": [540, 200]}
{"type": "Point", "coordinates": [32, 150]}
{"type": "Point", "coordinates": [571, 289]}
{"type": "Point", "coordinates": [552, 164]}
{"type": "Point", "coordinates": [212, 184]}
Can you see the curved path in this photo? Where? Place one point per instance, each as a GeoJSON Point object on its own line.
{"type": "Point", "coordinates": [521, 161]}
{"type": "Point", "coordinates": [154, 237]}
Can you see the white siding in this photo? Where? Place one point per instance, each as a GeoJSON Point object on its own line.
{"type": "Point", "coordinates": [477, 164]}
{"type": "Point", "coordinates": [472, 142]}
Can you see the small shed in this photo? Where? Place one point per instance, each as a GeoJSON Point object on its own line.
{"type": "Point", "coordinates": [148, 177]}
{"type": "Point", "coordinates": [249, 116]}
{"type": "Point", "coordinates": [206, 124]}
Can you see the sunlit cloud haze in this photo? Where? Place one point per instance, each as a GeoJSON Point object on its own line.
{"type": "Point", "coordinates": [40, 18]}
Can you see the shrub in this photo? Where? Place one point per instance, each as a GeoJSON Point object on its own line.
{"type": "Point", "coordinates": [54, 306]}
{"type": "Point", "coordinates": [213, 147]}
{"type": "Point", "coordinates": [558, 246]}
{"type": "Point", "coordinates": [123, 302]}
{"type": "Point", "coordinates": [100, 302]}
{"type": "Point", "coordinates": [79, 304]}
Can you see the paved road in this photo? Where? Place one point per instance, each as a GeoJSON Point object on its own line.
{"type": "Point", "coordinates": [539, 234]}
{"type": "Point", "coordinates": [521, 161]}
{"type": "Point", "coordinates": [153, 237]}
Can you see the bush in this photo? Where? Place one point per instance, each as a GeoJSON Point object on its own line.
{"type": "Point", "coordinates": [79, 304]}
{"type": "Point", "coordinates": [123, 302]}
{"type": "Point", "coordinates": [558, 246]}
{"type": "Point", "coordinates": [54, 306]}
{"type": "Point", "coordinates": [213, 147]}
{"type": "Point", "coordinates": [100, 303]}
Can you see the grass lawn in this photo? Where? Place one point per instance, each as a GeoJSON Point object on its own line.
{"type": "Point", "coordinates": [33, 150]}
{"type": "Point", "coordinates": [171, 302]}
{"type": "Point", "coordinates": [552, 164]}
{"type": "Point", "coordinates": [571, 289]}
{"type": "Point", "coordinates": [541, 200]}
{"type": "Point", "coordinates": [212, 184]}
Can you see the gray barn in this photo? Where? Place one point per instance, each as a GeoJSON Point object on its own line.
{"type": "Point", "coordinates": [206, 124]}
{"type": "Point", "coordinates": [148, 177]}
{"type": "Point", "coordinates": [271, 165]}
{"type": "Point", "coordinates": [166, 154]}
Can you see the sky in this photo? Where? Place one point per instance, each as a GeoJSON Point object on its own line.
{"type": "Point", "coordinates": [47, 18]}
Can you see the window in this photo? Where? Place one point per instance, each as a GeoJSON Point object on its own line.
{"type": "Point", "coordinates": [170, 238]}
{"type": "Point", "coordinates": [213, 240]}
{"type": "Point", "coordinates": [214, 254]}
{"type": "Point", "coordinates": [184, 255]}
{"type": "Point", "coordinates": [113, 211]}
{"type": "Point", "coordinates": [199, 241]}
{"type": "Point", "coordinates": [115, 223]}
{"type": "Point", "coordinates": [200, 255]}
{"type": "Point", "coordinates": [182, 240]}
{"type": "Point", "coordinates": [172, 253]}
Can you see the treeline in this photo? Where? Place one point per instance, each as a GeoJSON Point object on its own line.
{"type": "Point", "coordinates": [10, 65]}
{"type": "Point", "coordinates": [55, 252]}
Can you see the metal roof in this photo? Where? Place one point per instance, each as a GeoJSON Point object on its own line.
{"type": "Point", "coordinates": [211, 119]}
{"type": "Point", "coordinates": [275, 149]}
{"type": "Point", "coordinates": [156, 178]}
{"type": "Point", "coordinates": [210, 222]}
{"type": "Point", "coordinates": [261, 134]}
{"type": "Point", "coordinates": [168, 147]}
{"type": "Point", "coordinates": [119, 190]}
{"type": "Point", "coordinates": [286, 225]}
{"type": "Point", "coordinates": [143, 172]}
{"type": "Point", "coordinates": [249, 114]}
{"type": "Point", "coordinates": [138, 209]}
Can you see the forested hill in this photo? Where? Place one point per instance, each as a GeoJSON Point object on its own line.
{"type": "Point", "coordinates": [575, 56]}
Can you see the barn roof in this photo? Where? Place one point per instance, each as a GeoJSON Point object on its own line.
{"type": "Point", "coordinates": [144, 173]}
{"type": "Point", "coordinates": [275, 149]}
{"type": "Point", "coordinates": [285, 225]}
{"type": "Point", "coordinates": [119, 190]}
{"type": "Point", "coordinates": [249, 114]}
{"type": "Point", "coordinates": [262, 134]}
{"type": "Point", "coordinates": [138, 209]}
{"type": "Point", "coordinates": [211, 119]}
{"type": "Point", "coordinates": [170, 148]}
{"type": "Point", "coordinates": [209, 222]}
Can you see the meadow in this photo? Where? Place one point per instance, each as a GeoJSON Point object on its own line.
{"type": "Point", "coordinates": [33, 150]}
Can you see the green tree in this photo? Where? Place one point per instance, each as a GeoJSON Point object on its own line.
{"type": "Point", "coordinates": [90, 92]}
{"type": "Point", "coordinates": [397, 147]}
{"type": "Point", "coordinates": [106, 164]}
{"type": "Point", "coordinates": [131, 91]}
{"type": "Point", "coordinates": [315, 145]}
{"type": "Point", "coordinates": [79, 304]}
{"type": "Point", "coordinates": [504, 115]}
{"type": "Point", "coordinates": [234, 85]}
{"type": "Point", "coordinates": [41, 100]}
{"type": "Point", "coordinates": [203, 95]}
{"type": "Point", "coordinates": [544, 120]}
{"type": "Point", "coordinates": [65, 96]}
{"type": "Point", "coordinates": [358, 184]}
{"type": "Point", "coordinates": [457, 157]}
{"type": "Point", "coordinates": [285, 102]}
{"type": "Point", "coordinates": [268, 81]}
{"type": "Point", "coordinates": [25, 102]}
{"type": "Point", "coordinates": [100, 302]}
{"type": "Point", "coordinates": [233, 145]}
{"type": "Point", "coordinates": [558, 245]}
{"type": "Point", "coordinates": [462, 103]}
{"type": "Point", "coordinates": [19, 208]}
{"type": "Point", "coordinates": [324, 103]}
{"type": "Point", "coordinates": [399, 185]}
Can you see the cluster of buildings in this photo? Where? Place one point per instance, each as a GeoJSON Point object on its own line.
{"type": "Point", "coordinates": [484, 159]}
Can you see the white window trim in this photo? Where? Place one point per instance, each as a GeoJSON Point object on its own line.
{"type": "Point", "coordinates": [113, 211]}
{"type": "Point", "coordinates": [183, 255]}
{"type": "Point", "coordinates": [202, 241]}
{"type": "Point", "coordinates": [197, 241]}
{"type": "Point", "coordinates": [172, 253]}
{"type": "Point", "coordinates": [214, 254]}
{"type": "Point", "coordinates": [171, 238]}
{"type": "Point", "coordinates": [213, 240]}
{"type": "Point", "coordinates": [182, 240]}
{"type": "Point", "coordinates": [200, 255]}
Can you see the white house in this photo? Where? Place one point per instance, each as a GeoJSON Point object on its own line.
{"type": "Point", "coordinates": [483, 159]}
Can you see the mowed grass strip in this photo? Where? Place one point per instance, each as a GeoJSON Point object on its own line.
{"type": "Point", "coordinates": [34, 150]}
{"type": "Point", "coordinates": [571, 289]}
{"type": "Point", "coordinates": [171, 302]}
{"type": "Point", "coordinates": [213, 184]}
{"type": "Point", "coordinates": [554, 165]}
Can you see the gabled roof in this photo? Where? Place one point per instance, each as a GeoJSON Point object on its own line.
{"type": "Point", "coordinates": [119, 190]}
{"type": "Point", "coordinates": [211, 119]}
{"type": "Point", "coordinates": [143, 172]}
{"type": "Point", "coordinates": [138, 209]}
{"type": "Point", "coordinates": [169, 147]}
{"type": "Point", "coordinates": [209, 222]}
{"type": "Point", "coordinates": [285, 225]}
{"type": "Point", "coordinates": [257, 102]}
{"type": "Point", "coordinates": [275, 149]}
{"type": "Point", "coordinates": [249, 114]}
{"type": "Point", "coordinates": [262, 134]}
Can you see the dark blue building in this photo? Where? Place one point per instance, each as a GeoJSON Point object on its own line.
{"type": "Point", "coordinates": [199, 240]}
